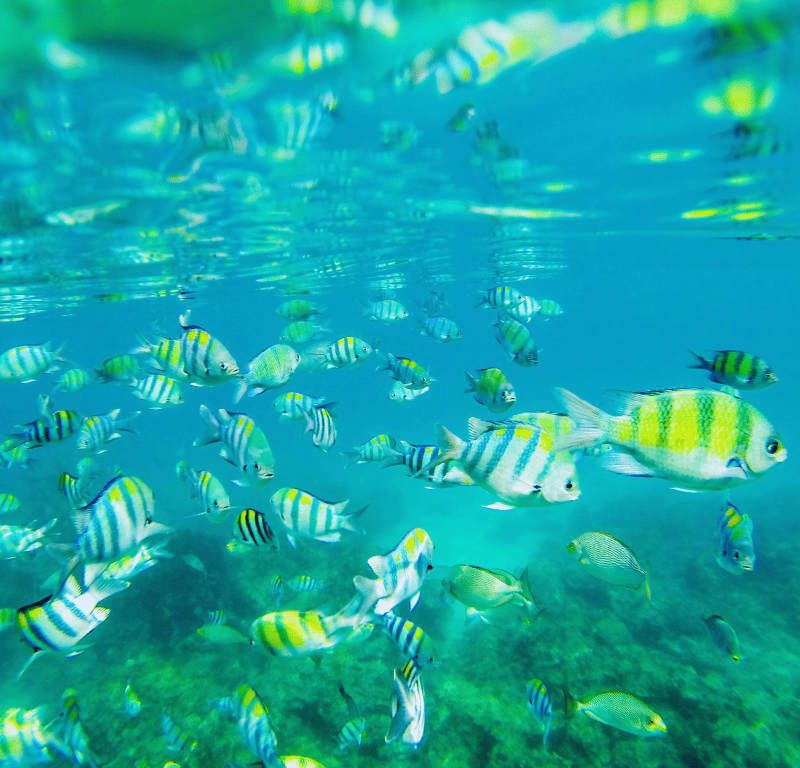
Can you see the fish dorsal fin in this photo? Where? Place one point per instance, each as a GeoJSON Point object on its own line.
{"type": "Point", "coordinates": [477, 427]}
{"type": "Point", "coordinates": [625, 402]}
{"type": "Point", "coordinates": [378, 564]}
{"type": "Point", "coordinates": [80, 519]}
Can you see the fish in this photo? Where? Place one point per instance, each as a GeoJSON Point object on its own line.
{"type": "Point", "coordinates": [298, 761]}
{"type": "Point", "coordinates": [540, 705]}
{"type": "Point", "coordinates": [13, 452]}
{"type": "Point", "coordinates": [116, 522]}
{"type": "Point", "coordinates": [517, 342]}
{"type": "Point", "coordinates": [349, 350]}
{"type": "Point", "coordinates": [352, 732]}
{"type": "Point", "coordinates": [9, 503]}
{"type": "Point", "coordinates": [252, 717]}
{"type": "Point", "coordinates": [404, 370]}
{"type": "Point", "coordinates": [193, 561]}
{"type": "Point", "coordinates": [723, 637]}
{"type": "Point", "coordinates": [131, 705]}
{"type": "Point", "coordinates": [402, 393]}
{"type": "Point", "coordinates": [245, 445]}
{"type": "Point", "coordinates": [481, 589]}
{"type": "Point", "coordinates": [120, 368]}
{"type": "Point", "coordinates": [500, 298]}
{"type": "Point", "coordinates": [609, 560]}
{"type": "Point", "coordinates": [301, 332]}
{"type": "Point", "coordinates": [373, 450]}
{"type": "Point", "coordinates": [387, 311]}
{"type": "Point", "coordinates": [297, 309]}
{"type": "Point", "coordinates": [320, 423]}
{"type": "Point", "coordinates": [270, 369]}
{"type": "Point", "coordinates": [305, 584]}
{"type": "Point", "coordinates": [214, 501]}
{"type": "Point", "coordinates": [698, 439]}
{"type": "Point", "coordinates": [734, 551]}
{"type": "Point", "coordinates": [492, 389]}
{"type": "Point", "coordinates": [400, 573]}
{"type": "Point", "coordinates": [165, 354]}
{"type": "Point", "coordinates": [441, 329]}
{"type": "Point", "coordinates": [73, 380]}
{"type": "Point", "coordinates": [53, 427]}
{"type": "Point", "coordinates": [20, 540]}
{"type": "Point", "coordinates": [619, 710]}
{"type": "Point", "coordinates": [76, 489]}
{"type": "Point", "coordinates": [253, 529]}
{"type": "Point", "coordinates": [205, 359]}
{"type": "Point", "coordinates": [421, 460]}
{"type": "Point", "coordinates": [217, 630]}
{"type": "Point", "coordinates": [176, 737]}
{"type": "Point", "coordinates": [26, 741]}
{"type": "Point", "coordinates": [73, 734]}
{"type": "Point", "coordinates": [59, 622]}
{"type": "Point", "coordinates": [24, 364]}
{"type": "Point", "coordinates": [460, 120]}
{"type": "Point", "coordinates": [555, 424]}
{"type": "Point", "coordinates": [276, 587]}
{"type": "Point", "coordinates": [293, 406]}
{"type": "Point", "coordinates": [308, 516]}
{"type": "Point", "coordinates": [433, 302]}
{"type": "Point", "coordinates": [127, 566]}
{"type": "Point", "coordinates": [549, 308]}
{"type": "Point", "coordinates": [408, 707]}
{"type": "Point", "coordinates": [99, 430]}
{"type": "Point", "coordinates": [734, 368]}
{"type": "Point", "coordinates": [525, 310]}
{"type": "Point", "coordinates": [158, 390]}
{"type": "Point", "coordinates": [411, 640]}
{"type": "Point", "coordinates": [519, 466]}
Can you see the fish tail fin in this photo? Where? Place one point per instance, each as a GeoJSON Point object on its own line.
{"type": "Point", "coordinates": [370, 590]}
{"type": "Point", "coordinates": [591, 423]}
{"type": "Point", "coordinates": [350, 523]}
{"type": "Point", "coordinates": [470, 383]}
{"type": "Point", "coordinates": [121, 423]}
{"type": "Point", "coordinates": [102, 588]}
{"type": "Point", "coordinates": [451, 444]}
{"type": "Point", "coordinates": [241, 388]}
{"type": "Point", "coordinates": [525, 588]}
{"type": "Point", "coordinates": [699, 362]}
{"type": "Point", "coordinates": [66, 554]}
{"type": "Point", "coordinates": [571, 705]}
{"type": "Point", "coordinates": [392, 457]}
{"type": "Point", "coordinates": [212, 433]}
{"type": "Point", "coordinates": [144, 345]}
{"type": "Point", "coordinates": [352, 458]}
{"type": "Point", "coordinates": [384, 361]}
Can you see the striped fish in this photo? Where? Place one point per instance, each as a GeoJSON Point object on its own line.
{"type": "Point", "coordinates": [525, 310]}
{"type": "Point", "coordinates": [738, 369]}
{"type": "Point", "coordinates": [320, 422]}
{"type": "Point", "coordinates": [206, 361]}
{"type": "Point", "coordinates": [409, 372]}
{"type": "Point", "coordinates": [492, 389]}
{"type": "Point", "coordinates": [609, 560]}
{"type": "Point", "coordinates": [400, 574]}
{"type": "Point", "coordinates": [301, 332]}
{"type": "Point", "coordinates": [253, 530]}
{"type": "Point", "coordinates": [519, 466]}
{"type": "Point", "coordinates": [158, 390]}
{"type": "Point", "coordinates": [114, 524]}
{"type": "Point", "coordinates": [131, 705]}
{"type": "Point", "coordinates": [20, 540]}
{"type": "Point", "coordinates": [270, 369]}
{"type": "Point", "coordinates": [502, 297]}
{"type": "Point", "coordinates": [26, 741]}
{"type": "Point", "coordinates": [120, 368]}
{"type": "Point", "coordinates": [441, 329]}
{"type": "Point", "coordinates": [252, 717]}
{"type": "Point", "coordinates": [276, 587]}
{"type": "Point", "coordinates": [24, 364]}
{"type": "Point", "coordinates": [216, 630]}
{"type": "Point", "coordinates": [433, 302]}
{"type": "Point", "coordinates": [73, 380]}
{"type": "Point", "coordinates": [699, 439]}
{"type": "Point", "coordinates": [353, 731]}
{"type": "Point", "coordinates": [419, 457]}
{"type": "Point", "coordinates": [347, 351]}
{"type": "Point", "coordinates": [410, 639]}
{"type": "Point", "coordinates": [58, 623]}
{"type": "Point", "coordinates": [245, 445]}
{"type": "Point", "coordinates": [307, 516]}
{"type": "Point", "coordinates": [387, 311]}
{"type": "Point", "coordinates": [293, 406]}
{"type": "Point", "coordinates": [52, 428]}
{"type": "Point", "coordinates": [549, 308]}
{"type": "Point", "coordinates": [516, 341]}
{"type": "Point", "coordinates": [127, 566]}
{"type": "Point", "coordinates": [401, 393]}
{"type": "Point", "coordinates": [73, 734]}
{"type": "Point", "coordinates": [14, 453]}
{"type": "Point", "coordinates": [214, 501]}
{"type": "Point", "coordinates": [408, 707]}
{"type": "Point", "coordinates": [74, 489]}
{"type": "Point", "coordinates": [8, 503]}
{"type": "Point", "coordinates": [305, 584]}
{"type": "Point", "coordinates": [734, 551]}
{"type": "Point", "coordinates": [297, 309]}
{"type": "Point", "coordinates": [540, 705]}
{"type": "Point", "coordinates": [165, 354]}
{"type": "Point", "coordinates": [99, 430]}
{"type": "Point", "coordinates": [372, 450]}
{"type": "Point", "coordinates": [178, 740]}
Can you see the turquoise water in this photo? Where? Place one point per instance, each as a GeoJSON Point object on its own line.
{"type": "Point", "coordinates": [657, 226]}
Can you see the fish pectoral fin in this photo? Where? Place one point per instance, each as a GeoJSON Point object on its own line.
{"type": "Point", "coordinates": [737, 468]}
{"type": "Point", "coordinates": [498, 505]}
{"type": "Point", "coordinates": [625, 464]}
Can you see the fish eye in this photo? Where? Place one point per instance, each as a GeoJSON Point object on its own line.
{"type": "Point", "coordinates": [773, 446]}
{"type": "Point", "coordinates": [255, 467]}
{"type": "Point", "coordinates": [570, 485]}
{"type": "Point", "coordinates": [736, 554]}
{"type": "Point", "coordinates": [222, 366]}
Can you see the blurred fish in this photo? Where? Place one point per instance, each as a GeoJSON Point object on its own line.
{"type": "Point", "coordinates": [294, 406]}
{"type": "Point", "coordinates": [245, 445]}
{"type": "Point", "coordinates": [217, 630]}
{"type": "Point", "coordinates": [412, 641]}
{"type": "Point", "coordinates": [608, 559]}
{"type": "Point", "coordinates": [276, 587]}
{"type": "Point", "coordinates": [298, 761]}
{"type": "Point", "coordinates": [433, 302]}
{"type": "Point", "coordinates": [461, 119]}
{"type": "Point", "coordinates": [372, 450]}
{"type": "Point", "coordinates": [73, 380]}
{"type": "Point", "coordinates": [131, 705]}
{"type": "Point", "coordinates": [619, 710]}
{"type": "Point", "coordinates": [73, 734]}
{"type": "Point", "coordinates": [404, 370]}
{"type": "Point", "coordinates": [723, 637]}
{"type": "Point", "coordinates": [734, 551]}
{"type": "Point", "coordinates": [492, 389]}
{"type": "Point", "coordinates": [500, 298]}
{"type": "Point", "coordinates": [99, 430]}
{"type": "Point", "coordinates": [158, 390]}
{"type": "Point", "coordinates": [347, 351]}
{"type": "Point", "coordinates": [205, 359]}
{"type": "Point", "coordinates": [481, 590]}
{"type": "Point", "coordinates": [8, 503]}
{"type": "Point", "coordinates": [127, 566]}
{"type": "Point", "coordinates": [13, 453]}
{"type": "Point", "coordinates": [20, 540]}
{"type": "Point", "coordinates": [193, 561]}
{"type": "Point", "coordinates": [421, 460]}
{"type": "Point", "coordinates": [214, 501]}
{"type": "Point", "coordinates": [698, 439]}
{"type": "Point", "coordinates": [540, 705]}
{"type": "Point", "coordinates": [400, 574]}
{"type": "Point", "coordinates": [270, 369]}
{"type": "Point", "coordinates": [297, 309]}
{"type": "Point", "coordinates": [320, 423]}
{"type": "Point", "coordinates": [120, 368]}
{"type": "Point", "coordinates": [253, 530]}
{"type": "Point", "coordinates": [736, 369]}
{"type": "Point", "coordinates": [165, 354]}
{"type": "Point", "coordinates": [549, 308]}
{"type": "Point", "coordinates": [525, 310]}
{"type": "Point", "coordinates": [24, 364]}
{"type": "Point", "coordinates": [255, 728]}
{"type": "Point", "coordinates": [517, 342]}
{"type": "Point", "coordinates": [441, 329]}
{"type": "Point", "coordinates": [408, 707]}
{"type": "Point", "coordinates": [26, 741]}
{"type": "Point", "coordinates": [353, 731]}
{"type": "Point", "coordinates": [387, 311]}
{"type": "Point", "coordinates": [178, 740]}
{"type": "Point", "coordinates": [310, 517]}
{"type": "Point", "coordinates": [53, 427]}
{"type": "Point", "coordinates": [301, 332]}
{"type": "Point", "coordinates": [305, 584]}
{"type": "Point", "coordinates": [402, 393]}
{"type": "Point", "coordinates": [398, 135]}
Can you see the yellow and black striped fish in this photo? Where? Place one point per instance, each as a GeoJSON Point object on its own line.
{"type": "Point", "coordinates": [253, 529]}
{"type": "Point", "coordinates": [736, 369]}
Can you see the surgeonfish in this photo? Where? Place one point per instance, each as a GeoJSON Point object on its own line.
{"type": "Point", "coordinates": [737, 369]}
{"type": "Point", "coordinates": [619, 710]}
{"type": "Point", "coordinates": [404, 370]}
{"type": "Point", "coordinates": [735, 551]}
{"type": "Point", "coordinates": [411, 640]}
{"type": "Point", "coordinates": [205, 360]}
{"type": "Point", "coordinates": [492, 389]}
{"type": "Point", "coordinates": [308, 516]}
{"type": "Point", "coordinates": [24, 364]}
{"type": "Point", "coordinates": [609, 560]}
{"type": "Point", "coordinates": [178, 740]}
{"type": "Point", "coordinates": [517, 342]}
{"type": "Point", "coordinates": [540, 706]}
{"type": "Point", "coordinates": [214, 501]}
{"type": "Point", "coordinates": [698, 439]}
{"type": "Point", "coordinates": [408, 706]}
{"type": "Point", "coordinates": [270, 369]}
{"type": "Point", "coordinates": [252, 529]}
{"type": "Point", "coordinates": [251, 715]}
{"type": "Point", "coordinates": [101, 429]}
{"type": "Point", "coordinates": [723, 637]}
{"type": "Point", "coordinates": [245, 445]}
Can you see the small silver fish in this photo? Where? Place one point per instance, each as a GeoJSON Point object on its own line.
{"type": "Point", "coordinates": [723, 637]}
